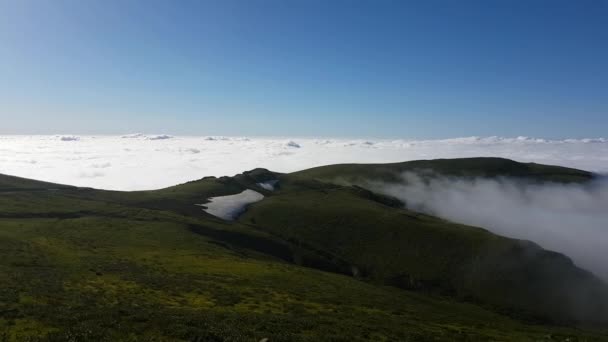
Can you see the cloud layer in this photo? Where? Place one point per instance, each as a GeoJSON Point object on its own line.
{"type": "Point", "coordinates": [568, 218]}
{"type": "Point", "coordinates": [139, 161]}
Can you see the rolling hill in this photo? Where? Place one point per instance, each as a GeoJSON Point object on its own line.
{"type": "Point", "coordinates": [320, 258]}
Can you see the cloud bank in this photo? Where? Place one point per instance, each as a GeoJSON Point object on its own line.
{"type": "Point", "coordinates": [568, 218]}
{"type": "Point", "coordinates": [140, 161]}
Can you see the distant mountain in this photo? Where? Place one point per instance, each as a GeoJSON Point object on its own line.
{"type": "Point", "coordinates": [319, 258]}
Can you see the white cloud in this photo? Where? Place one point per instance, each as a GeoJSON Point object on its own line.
{"type": "Point", "coordinates": [139, 162]}
{"type": "Point", "coordinates": [268, 185]}
{"type": "Point", "coordinates": [101, 165]}
{"type": "Point", "coordinates": [133, 136]}
{"type": "Point", "coordinates": [192, 150]}
{"type": "Point", "coordinates": [68, 138]}
{"type": "Point", "coordinates": [91, 174]}
{"type": "Point", "coordinates": [159, 137]}
{"type": "Point", "coordinates": [568, 218]}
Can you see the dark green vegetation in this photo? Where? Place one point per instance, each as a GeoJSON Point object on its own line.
{"type": "Point", "coordinates": [312, 261]}
{"type": "Point", "coordinates": [463, 167]}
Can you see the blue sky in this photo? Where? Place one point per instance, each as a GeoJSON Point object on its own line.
{"type": "Point", "coordinates": [411, 69]}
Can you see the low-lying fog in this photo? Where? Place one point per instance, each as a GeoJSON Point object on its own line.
{"type": "Point", "coordinates": [568, 218]}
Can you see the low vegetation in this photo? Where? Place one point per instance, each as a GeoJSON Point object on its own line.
{"type": "Point", "coordinates": [313, 261]}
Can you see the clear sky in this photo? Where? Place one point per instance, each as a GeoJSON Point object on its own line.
{"type": "Point", "coordinates": [411, 69]}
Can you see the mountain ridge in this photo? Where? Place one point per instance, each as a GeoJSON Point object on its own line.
{"type": "Point", "coordinates": [157, 251]}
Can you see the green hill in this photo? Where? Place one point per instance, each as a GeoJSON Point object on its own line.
{"type": "Point", "coordinates": [462, 167]}
{"type": "Point", "coordinates": [312, 261]}
{"type": "Point", "coordinates": [393, 246]}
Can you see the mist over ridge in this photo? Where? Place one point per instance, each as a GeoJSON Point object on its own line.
{"type": "Point", "coordinates": [568, 218]}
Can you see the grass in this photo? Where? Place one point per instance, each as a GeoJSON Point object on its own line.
{"type": "Point", "coordinates": [461, 167]}
{"type": "Point", "coordinates": [116, 281]}
{"type": "Point", "coordinates": [87, 265]}
{"type": "Point", "coordinates": [379, 243]}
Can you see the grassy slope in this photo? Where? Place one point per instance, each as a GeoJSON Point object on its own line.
{"type": "Point", "coordinates": [388, 245]}
{"type": "Point", "coordinates": [80, 264]}
{"type": "Point", "coordinates": [124, 273]}
{"type": "Point", "coordinates": [463, 167]}
{"type": "Point", "coordinates": [414, 251]}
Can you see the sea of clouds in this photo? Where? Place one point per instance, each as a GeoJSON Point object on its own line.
{"type": "Point", "coordinates": [142, 162]}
